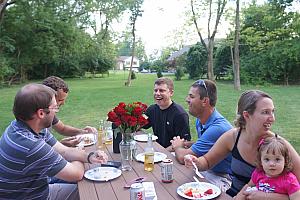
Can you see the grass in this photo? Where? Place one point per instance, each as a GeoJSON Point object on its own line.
{"type": "Point", "coordinates": [90, 99]}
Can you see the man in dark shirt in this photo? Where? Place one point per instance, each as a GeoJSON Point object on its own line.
{"type": "Point", "coordinates": [61, 88]}
{"type": "Point", "coordinates": [167, 118]}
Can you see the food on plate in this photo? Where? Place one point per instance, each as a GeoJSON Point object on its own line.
{"type": "Point", "coordinates": [189, 192]}
{"type": "Point", "coordinates": [209, 191]}
{"type": "Point", "coordinates": [87, 140]}
{"type": "Point", "coordinates": [197, 192]}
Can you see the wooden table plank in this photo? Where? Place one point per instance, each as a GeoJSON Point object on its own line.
{"type": "Point", "coordinates": [114, 189]}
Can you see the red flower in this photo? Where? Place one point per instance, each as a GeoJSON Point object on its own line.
{"type": "Point", "coordinates": [137, 111]}
{"type": "Point", "coordinates": [128, 117]}
{"type": "Point", "coordinates": [112, 116]}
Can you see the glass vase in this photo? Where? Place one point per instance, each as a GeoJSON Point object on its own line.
{"type": "Point", "coordinates": [127, 150]}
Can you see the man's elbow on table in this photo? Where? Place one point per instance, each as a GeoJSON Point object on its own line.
{"type": "Point", "coordinates": [72, 172]}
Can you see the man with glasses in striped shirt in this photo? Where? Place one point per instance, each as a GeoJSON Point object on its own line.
{"type": "Point", "coordinates": [30, 154]}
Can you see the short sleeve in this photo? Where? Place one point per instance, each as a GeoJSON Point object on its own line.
{"type": "Point", "coordinates": [254, 176]}
{"type": "Point", "coordinates": [55, 120]}
{"type": "Point", "coordinates": [293, 184]}
{"type": "Point", "coordinates": [208, 139]}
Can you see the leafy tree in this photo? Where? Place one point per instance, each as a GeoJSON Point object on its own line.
{"type": "Point", "coordinates": [39, 38]}
{"type": "Point", "coordinates": [179, 73]}
{"type": "Point", "coordinates": [144, 65]}
{"type": "Point", "coordinates": [223, 61]}
{"type": "Point", "coordinates": [159, 73]}
{"type": "Point", "coordinates": [124, 48]}
{"type": "Point", "coordinates": [135, 13]}
{"type": "Point", "coordinates": [270, 34]}
{"type": "Point", "coordinates": [211, 29]}
{"type": "Point", "coordinates": [196, 61]}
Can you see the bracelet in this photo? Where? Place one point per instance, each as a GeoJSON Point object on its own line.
{"type": "Point", "coordinates": [89, 156]}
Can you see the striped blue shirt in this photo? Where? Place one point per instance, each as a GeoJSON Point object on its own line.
{"type": "Point", "coordinates": [27, 160]}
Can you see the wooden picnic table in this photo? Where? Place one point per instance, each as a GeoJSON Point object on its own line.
{"type": "Point", "coordinates": [114, 189]}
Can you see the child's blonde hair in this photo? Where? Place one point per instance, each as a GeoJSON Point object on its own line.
{"type": "Point", "coordinates": [274, 145]}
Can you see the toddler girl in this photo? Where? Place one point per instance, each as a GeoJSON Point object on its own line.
{"type": "Point", "coordinates": [272, 173]}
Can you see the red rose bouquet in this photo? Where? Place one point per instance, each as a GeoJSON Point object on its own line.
{"type": "Point", "coordinates": [128, 118]}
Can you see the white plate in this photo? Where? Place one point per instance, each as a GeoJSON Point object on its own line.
{"type": "Point", "coordinates": [158, 157]}
{"type": "Point", "coordinates": [144, 137]}
{"type": "Point", "coordinates": [102, 173]}
{"type": "Point", "coordinates": [87, 139]}
{"type": "Point", "coordinates": [201, 187]}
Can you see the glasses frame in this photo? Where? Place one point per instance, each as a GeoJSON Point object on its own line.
{"type": "Point", "coordinates": [201, 83]}
{"type": "Point", "coordinates": [55, 108]}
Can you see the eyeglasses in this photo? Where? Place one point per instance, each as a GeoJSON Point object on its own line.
{"type": "Point", "coordinates": [201, 83]}
{"type": "Point", "coordinates": [55, 108]}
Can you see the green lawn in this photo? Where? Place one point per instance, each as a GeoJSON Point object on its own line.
{"type": "Point", "coordinates": [90, 99]}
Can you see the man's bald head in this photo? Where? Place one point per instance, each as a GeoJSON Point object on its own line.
{"type": "Point", "coordinates": [30, 98]}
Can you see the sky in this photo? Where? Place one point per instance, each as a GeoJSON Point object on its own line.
{"type": "Point", "coordinates": [162, 25]}
{"type": "Point", "coordinates": [160, 19]}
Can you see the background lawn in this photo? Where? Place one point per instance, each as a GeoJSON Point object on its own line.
{"type": "Point", "coordinates": [91, 98]}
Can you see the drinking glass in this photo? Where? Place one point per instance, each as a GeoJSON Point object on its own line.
{"type": "Point", "coordinates": [108, 132]}
{"type": "Point", "coordinates": [100, 135]}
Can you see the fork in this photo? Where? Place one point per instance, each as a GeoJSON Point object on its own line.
{"type": "Point", "coordinates": [195, 178]}
{"type": "Point", "coordinates": [196, 170]}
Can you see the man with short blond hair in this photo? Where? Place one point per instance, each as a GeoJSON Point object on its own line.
{"type": "Point", "coordinates": [167, 118]}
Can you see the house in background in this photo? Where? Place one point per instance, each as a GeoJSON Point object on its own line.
{"type": "Point", "coordinates": [178, 53]}
{"type": "Point", "coordinates": [123, 63]}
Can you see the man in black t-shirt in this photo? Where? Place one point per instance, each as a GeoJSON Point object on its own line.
{"type": "Point", "coordinates": [167, 118]}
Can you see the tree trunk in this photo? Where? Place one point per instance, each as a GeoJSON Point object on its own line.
{"type": "Point", "coordinates": [3, 5]}
{"type": "Point", "coordinates": [23, 74]}
{"type": "Point", "coordinates": [210, 54]}
{"type": "Point", "coordinates": [236, 67]}
{"type": "Point", "coordinates": [210, 34]}
{"type": "Point", "coordinates": [128, 83]}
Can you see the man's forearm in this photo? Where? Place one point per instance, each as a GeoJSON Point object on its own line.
{"type": "Point", "coordinates": [180, 152]}
{"type": "Point", "coordinates": [70, 154]}
{"type": "Point", "coordinates": [67, 130]}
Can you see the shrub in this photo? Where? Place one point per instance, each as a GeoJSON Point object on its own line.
{"type": "Point", "coordinates": [133, 76]}
{"type": "Point", "coordinates": [179, 73]}
{"type": "Point", "coordinates": [159, 74]}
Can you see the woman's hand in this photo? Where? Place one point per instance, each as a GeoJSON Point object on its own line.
{"type": "Point", "coordinates": [189, 159]}
{"type": "Point", "coordinates": [258, 195]}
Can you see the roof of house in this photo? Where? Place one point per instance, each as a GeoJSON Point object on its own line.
{"type": "Point", "coordinates": [179, 52]}
{"type": "Point", "coordinates": [186, 48]}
